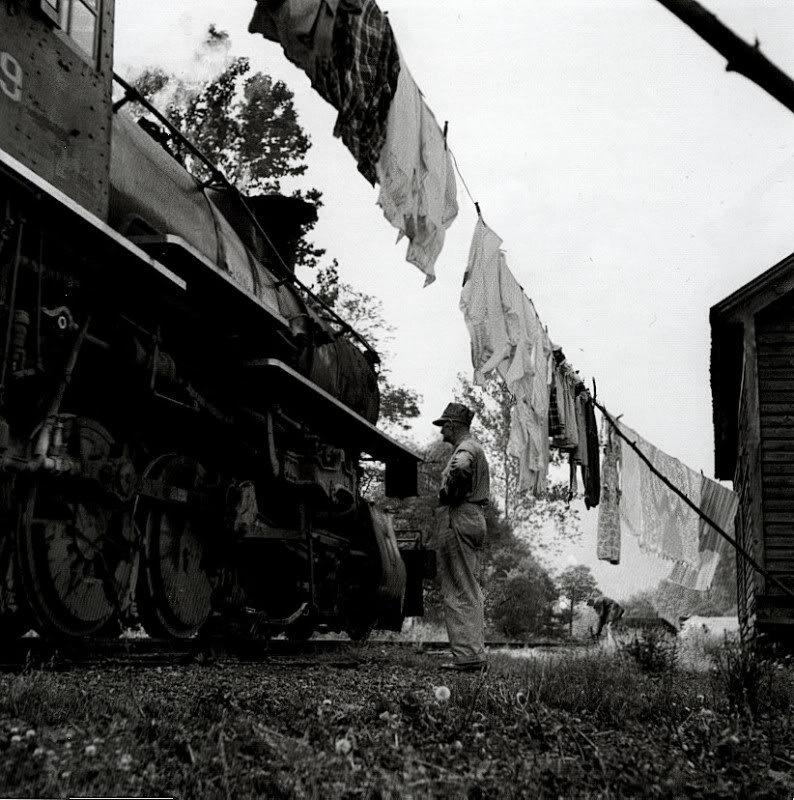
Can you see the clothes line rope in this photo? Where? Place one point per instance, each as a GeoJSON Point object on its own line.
{"type": "Point", "coordinates": [463, 181]}
{"type": "Point", "coordinates": [739, 549]}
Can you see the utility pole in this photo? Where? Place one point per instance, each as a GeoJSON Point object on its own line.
{"type": "Point", "coordinates": [743, 58]}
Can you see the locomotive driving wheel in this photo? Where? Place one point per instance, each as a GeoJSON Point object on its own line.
{"type": "Point", "coordinates": [174, 588]}
{"type": "Point", "coordinates": [75, 560]}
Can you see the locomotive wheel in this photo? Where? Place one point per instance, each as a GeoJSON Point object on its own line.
{"type": "Point", "coordinates": [75, 561]}
{"type": "Point", "coordinates": [174, 589]}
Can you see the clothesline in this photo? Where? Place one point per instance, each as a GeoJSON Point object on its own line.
{"type": "Point", "coordinates": [771, 578]}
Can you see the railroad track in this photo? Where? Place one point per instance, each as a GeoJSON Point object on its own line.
{"type": "Point", "coordinates": [37, 653]}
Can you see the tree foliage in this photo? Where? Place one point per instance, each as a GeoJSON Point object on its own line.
{"type": "Point", "coordinates": [244, 122]}
{"type": "Point", "coordinates": [398, 404]}
{"type": "Point", "coordinates": [519, 592]}
{"type": "Point", "coordinates": [576, 583]}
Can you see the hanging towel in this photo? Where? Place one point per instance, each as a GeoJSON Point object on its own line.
{"type": "Point", "coordinates": [663, 523]}
{"type": "Point", "coordinates": [608, 537]}
{"type": "Point", "coordinates": [418, 192]}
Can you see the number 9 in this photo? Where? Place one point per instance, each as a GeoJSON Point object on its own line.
{"type": "Point", "coordinates": [10, 76]}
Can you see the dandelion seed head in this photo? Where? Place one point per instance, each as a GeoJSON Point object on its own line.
{"type": "Point", "coordinates": [90, 750]}
{"type": "Point", "coordinates": [442, 694]}
{"type": "Point", "coordinates": [343, 746]}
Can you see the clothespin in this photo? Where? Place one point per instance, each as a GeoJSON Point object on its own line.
{"type": "Point", "coordinates": [446, 128]}
{"type": "Point", "coordinates": [477, 206]}
{"type": "Point", "coordinates": [595, 390]}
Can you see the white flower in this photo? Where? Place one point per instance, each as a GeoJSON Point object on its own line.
{"type": "Point", "coordinates": [125, 762]}
{"type": "Point", "coordinates": [16, 738]}
{"type": "Point", "coordinates": [30, 733]}
{"type": "Point", "coordinates": [90, 749]}
{"type": "Point", "coordinates": [442, 694]}
{"type": "Point", "coordinates": [343, 746]}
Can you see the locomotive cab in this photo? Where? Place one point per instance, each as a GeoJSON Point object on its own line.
{"type": "Point", "coordinates": [56, 76]}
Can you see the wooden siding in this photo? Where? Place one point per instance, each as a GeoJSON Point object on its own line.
{"type": "Point", "coordinates": [775, 358]}
{"type": "Point", "coordinates": [745, 482]}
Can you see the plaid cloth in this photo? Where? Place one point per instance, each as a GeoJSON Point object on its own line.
{"type": "Point", "coordinates": [361, 79]}
{"type": "Point", "coordinates": [348, 51]}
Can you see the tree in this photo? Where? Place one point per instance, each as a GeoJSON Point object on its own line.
{"type": "Point", "coordinates": [245, 123]}
{"type": "Point", "coordinates": [519, 592]}
{"type": "Point", "coordinates": [398, 404]}
{"type": "Point", "coordinates": [576, 583]}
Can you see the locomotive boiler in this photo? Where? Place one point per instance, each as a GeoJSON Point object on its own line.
{"type": "Point", "coordinates": [182, 423]}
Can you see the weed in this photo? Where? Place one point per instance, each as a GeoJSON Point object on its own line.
{"type": "Point", "coordinates": [741, 675]}
{"type": "Point", "coordinates": [655, 652]}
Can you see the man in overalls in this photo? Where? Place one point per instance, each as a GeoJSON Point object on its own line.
{"type": "Point", "coordinates": [465, 490]}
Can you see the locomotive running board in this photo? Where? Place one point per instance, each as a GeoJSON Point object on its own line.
{"type": "Point", "coordinates": [200, 271]}
{"type": "Point", "coordinates": [122, 250]}
{"type": "Point", "coordinates": [401, 462]}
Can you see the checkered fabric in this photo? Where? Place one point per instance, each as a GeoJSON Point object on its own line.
{"type": "Point", "coordinates": [361, 79]}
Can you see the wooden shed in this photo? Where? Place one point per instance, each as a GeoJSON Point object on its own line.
{"type": "Point", "coordinates": [752, 385]}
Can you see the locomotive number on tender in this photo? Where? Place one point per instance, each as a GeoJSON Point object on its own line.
{"type": "Point", "coordinates": [10, 76]}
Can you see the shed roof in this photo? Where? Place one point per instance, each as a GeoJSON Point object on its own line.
{"type": "Point", "coordinates": [728, 319]}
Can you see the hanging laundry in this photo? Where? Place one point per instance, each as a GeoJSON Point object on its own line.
{"type": "Point", "coordinates": [592, 475]}
{"type": "Point", "coordinates": [507, 337]}
{"type": "Point", "coordinates": [562, 415]}
{"type": "Point", "coordinates": [718, 504]}
{"type": "Point", "coordinates": [418, 192]}
{"type": "Point", "coordinates": [527, 378]}
{"type": "Point", "coordinates": [608, 536]}
{"type": "Point", "coordinates": [481, 303]}
{"type": "Point", "coordinates": [348, 50]}
{"type": "Point", "coordinates": [664, 524]}
{"type": "Point", "coordinates": [305, 29]}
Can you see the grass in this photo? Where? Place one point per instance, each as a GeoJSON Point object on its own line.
{"type": "Point", "coordinates": [597, 724]}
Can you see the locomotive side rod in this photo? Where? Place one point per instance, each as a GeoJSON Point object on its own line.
{"type": "Point", "coordinates": [743, 58]}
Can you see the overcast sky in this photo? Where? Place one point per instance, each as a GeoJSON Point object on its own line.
{"type": "Point", "coordinates": [635, 183]}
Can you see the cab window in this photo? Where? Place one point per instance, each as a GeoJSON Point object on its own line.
{"type": "Point", "coordinates": [78, 19]}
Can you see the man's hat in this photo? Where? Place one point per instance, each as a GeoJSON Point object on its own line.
{"type": "Point", "coordinates": [455, 412]}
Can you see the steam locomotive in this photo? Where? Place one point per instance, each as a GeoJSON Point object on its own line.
{"type": "Point", "coordinates": [182, 422]}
